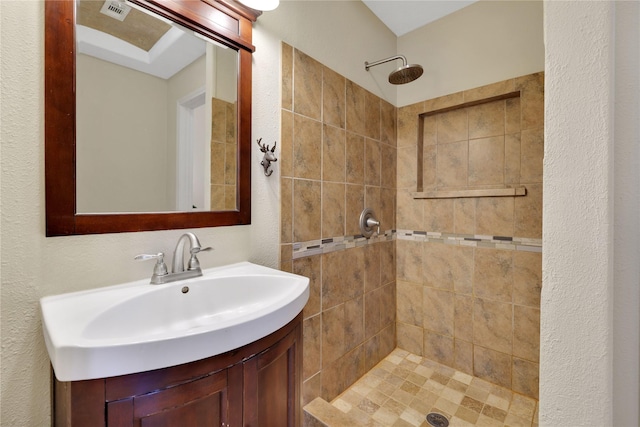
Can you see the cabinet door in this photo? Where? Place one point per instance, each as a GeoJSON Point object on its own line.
{"type": "Point", "coordinates": [209, 401]}
{"type": "Point", "coordinates": [272, 383]}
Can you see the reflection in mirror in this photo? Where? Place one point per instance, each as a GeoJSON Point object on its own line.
{"type": "Point", "coordinates": [156, 124]}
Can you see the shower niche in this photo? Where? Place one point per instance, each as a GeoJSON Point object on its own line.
{"type": "Point", "coordinates": [469, 147]}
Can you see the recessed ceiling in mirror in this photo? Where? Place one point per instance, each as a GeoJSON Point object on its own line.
{"type": "Point", "coordinates": [156, 124]}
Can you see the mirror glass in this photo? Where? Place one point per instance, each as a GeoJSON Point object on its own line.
{"type": "Point", "coordinates": [156, 114]}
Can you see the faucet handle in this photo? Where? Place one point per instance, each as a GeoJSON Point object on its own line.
{"type": "Point", "coordinates": [194, 264]}
{"type": "Point", "coordinates": [160, 269]}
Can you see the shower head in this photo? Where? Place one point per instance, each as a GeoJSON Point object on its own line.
{"type": "Point", "coordinates": [404, 74]}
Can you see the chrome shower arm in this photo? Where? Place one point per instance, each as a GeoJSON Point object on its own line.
{"type": "Point", "coordinates": [368, 65]}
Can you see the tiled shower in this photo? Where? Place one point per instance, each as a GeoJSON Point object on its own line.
{"type": "Point", "coordinates": [455, 278]}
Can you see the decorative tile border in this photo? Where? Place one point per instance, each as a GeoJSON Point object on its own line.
{"type": "Point", "coordinates": [474, 240]}
{"type": "Point", "coordinates": [332, 244]}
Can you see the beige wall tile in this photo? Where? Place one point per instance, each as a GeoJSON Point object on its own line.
{"type": "Point", "coordinates": [486, 161]}
{"type": "Point", "coordinates": [306, 210]}
{"type": "Point", "coordinates": [333, 334]}
{"type": "Point", "coordinates": [408, 124]}
{"type": "Point", "coordinates": [492, 366]}
{"type": "Point", "coordinates": [353, 323]}
{"type": "Point", "coordinates": [495, 216]}
{"type": "Point", "coordinates": [372, 162]}
{"type": "Point", "coordinates": [409, 303]}
{"type": "Point", "coordinates": [532, 100]}
{"type": "Point", "coordinates": [387, 209]}
{"type": "Point", "coordinates": [488, 91]}
{"type": "Point", "coordinates": [311, 388]}
{"type": "Point", "coordinates": [409, 212]}
{"type": "Point", "coordinates": [429, 131]}
{"type": "Point", "coordinates": [527, 278]}
{"type": "Point", "coordinates": [372, 200]}
{"type": "Point", "coordinates": [409, 260]}
{"type": "Point", "coordinates": [532, 153]}
{"type": "Point", "coordinates": [372, 115]}
{"type": "Point", "coordinates": [387, 262]}
{"type": "Point", "coordinates": [493, 274]}
{"type": "Point", "coordinates": [333, 98]}
{"type": "Point", "coordinates": [217, 197]}
{"type": "Point", "coordinates": [453, 126]}
{"type": "Point", "coordinates": [217, 162]}
{"type": "Point", "coordinates": [355, 159]}
{"type": "Point", "coordinates": [311, 267]}
{"type": "Point", "coordinates": [512, 115]}
{"type": "Point", "coordinates": [463, 356]}
{"type": "Point", "coordinates": [410, 338]}
{"type": "Point", "coordinates": [287, 77]}
{"type": "Point", "coordinates": [353, 272]}
{"type": "Point", "coordinates": [528, 213]}
{"type": "Point", "coordinates": [230, 163]}
{"type": "Point", "coordinates": [286, 210]}
{"type": "Point", "coordinates": [388, 116]}
{"type": "Point", "coordinates": [333, 209]}
{"type": "Point", "coordinates": [464, 216]}
{"type": "Point", "coordinates": [463, 320]}
{"type": "Point", "coordinates": [512, 158]}
{"type": "Point", "coordinates": [406, 171]}
{"type": "Point", "coordinates": [353, 208]}
{"type": "Point", "coordinates": [333, 284]}
{"type": "Point", "coordinates": [307, 83]}
{"type": "Point", "coordinates": [492, 322]}
{"type": "Point", "coordinates": [525, 377]}
{"type": "Point", "coordinates": [526, 333]}
{"type": "Point", "coordinates": [438, 306]}
{"type": "Point", "coordinates": [448, 267]}
{"type": "Point", "coordinates": [307, 147]}
{"type": "Point", "coordinates": [355, 106]}
{"type": "Point", "coordinates": [452, 165]}
{"type": "Point", "coordinates": [388, 307]}
{"type": "Point", "coordinates": [429, 167]}
{"type": "Point", "coordinates": [286, 144]}
{"type": "Point", "coordinates": [388, 169]}
{"type": "Point", "coordinates": [387, 340]}
{"type": "Point", "coordinates": [333, 157]}
{"type": "Point", "coordinates": [444, 101]}
{"type": "Point", "coordinates": [438, 215]}
{"type": "Point", "coordinates": [487, 120]}
{"type": "Point", "coordinates": [438, 348]}
{"type": "Point", "coordinates": [371, 352]}
{"type": "Point", "coordinates": [372, 265]}
{"type": "Point", "coordinates": [311, 342]}
{"type": "Point", "coordinates": [372, 308]}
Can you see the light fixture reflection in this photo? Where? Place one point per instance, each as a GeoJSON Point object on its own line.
{"type": "Point", "coordinates": [264, 5]}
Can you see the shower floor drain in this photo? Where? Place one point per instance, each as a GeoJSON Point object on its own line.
{"type": "Point", "coordinates": [437, 420]}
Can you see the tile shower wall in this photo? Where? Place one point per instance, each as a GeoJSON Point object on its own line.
{"type": "Point", "coordinates": [469, 280]}
{"type": "Point", "coordinates": [338, 155]}
{"type": "Point", "coordinates": [223, 155]}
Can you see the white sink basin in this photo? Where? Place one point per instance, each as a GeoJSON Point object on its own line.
{"type": "Point", "coordinates": [136, 327]}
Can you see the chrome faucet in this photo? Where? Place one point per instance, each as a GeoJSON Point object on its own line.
{"type": "Point", "coordinates": [160, 272]}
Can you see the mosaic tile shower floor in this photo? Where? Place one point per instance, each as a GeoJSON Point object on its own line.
{"type": "Point", "coordinates": [403, 388]}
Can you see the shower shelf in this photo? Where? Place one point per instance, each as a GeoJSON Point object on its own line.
{"type": "Point", "coordinates": [483, 192]}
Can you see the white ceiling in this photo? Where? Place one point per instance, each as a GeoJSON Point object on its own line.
{"type": "Point", "coordinates": [404, 16]}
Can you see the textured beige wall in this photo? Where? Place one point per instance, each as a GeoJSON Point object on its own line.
{"type": "Point", "coordinates": [486, 42]}
{"type": "Point", "coordinates": [113, 150]}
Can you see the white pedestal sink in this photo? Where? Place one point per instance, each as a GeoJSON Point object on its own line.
{"type": "Point", "coordinates": [136, 327]}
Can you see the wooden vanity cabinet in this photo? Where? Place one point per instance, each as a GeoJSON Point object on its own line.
{"type": "Point", "coordinates": [257, 385]}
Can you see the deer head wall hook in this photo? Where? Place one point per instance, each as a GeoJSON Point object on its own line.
{"type": "Point", "coordinates": [268, 157]}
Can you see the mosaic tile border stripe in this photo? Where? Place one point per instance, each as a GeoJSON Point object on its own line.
{"type": "Point", "coordinates": [474, 240]}
{"type": "Point", "coordinates": [332, 244]}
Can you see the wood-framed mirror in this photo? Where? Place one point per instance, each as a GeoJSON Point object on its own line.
{"type": "Point", "coordinates": [219, 23]}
